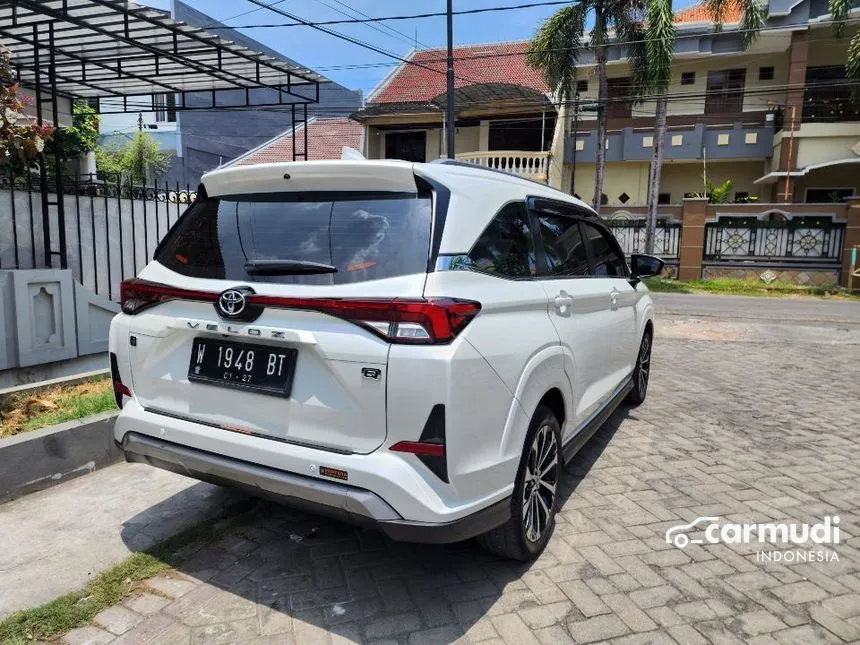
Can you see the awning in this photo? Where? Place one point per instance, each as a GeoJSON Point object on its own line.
{"type": "Point", "coordinates": [773, 177]}
{"type": "Point", "coordinates": [119, 50]}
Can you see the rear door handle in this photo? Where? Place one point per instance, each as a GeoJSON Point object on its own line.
{"type": "Point", "coordinates": [563, 299]}
{"type": "Point", "coordinates": [613, 296]}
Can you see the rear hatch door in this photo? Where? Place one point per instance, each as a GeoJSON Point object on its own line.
{"type": "Point", "coordinates": [288, 373]}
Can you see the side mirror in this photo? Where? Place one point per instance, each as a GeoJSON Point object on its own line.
{"type": "Point", "coordinates": [645, 266]}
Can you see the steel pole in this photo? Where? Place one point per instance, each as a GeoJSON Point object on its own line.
{"type": "Point", "coordinates": [451, 127]}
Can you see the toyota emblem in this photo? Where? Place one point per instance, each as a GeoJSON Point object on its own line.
{"type": "Point", "coordinates": [232, 303]}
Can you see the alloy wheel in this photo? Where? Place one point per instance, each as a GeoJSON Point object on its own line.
{"type": "Point", "coordinates": [541, 480]}
{"type": "Point", "coordinates": [644, 363]}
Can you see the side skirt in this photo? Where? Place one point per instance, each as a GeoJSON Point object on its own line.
{"type": "Point", "coordinates": [578, 440]}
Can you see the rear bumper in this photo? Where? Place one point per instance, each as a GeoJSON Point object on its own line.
{"type": "Point", "coordinates": [341, 501]}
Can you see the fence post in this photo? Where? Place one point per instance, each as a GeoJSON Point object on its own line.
{"type": "Point", "coordinates": [852, 236]}
{"type": "Point", "coordinates": [693, 215]}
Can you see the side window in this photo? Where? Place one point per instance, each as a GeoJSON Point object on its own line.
{"type": "Point", "coordinates": [506, 247]}
{"type": "Point", "coordinates": [563, 246]}
{"type": "Point", "coordinates": [608, 262]}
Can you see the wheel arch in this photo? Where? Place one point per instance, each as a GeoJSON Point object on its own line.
{"type": "Point", "coordinates": [543, 382]}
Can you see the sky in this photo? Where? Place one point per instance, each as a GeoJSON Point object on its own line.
{"type": "Point", "coordinates": [344, 62]}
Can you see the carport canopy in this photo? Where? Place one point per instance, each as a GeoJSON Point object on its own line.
{"type": "Point", "coordinates": [135, 56]}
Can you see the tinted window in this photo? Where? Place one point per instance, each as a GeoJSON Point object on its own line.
{"type": "Point", "coordinates": [506, 247]}
{"type": "Point", "coordinates": [607, 261]}
{"type": "Point", "coordinates": [365, 238]}
{"type": "Point", "coordinates": [563, 246]}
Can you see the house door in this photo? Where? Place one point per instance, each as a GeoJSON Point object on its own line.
{"type": "Point", "coordinates": [408, 146]}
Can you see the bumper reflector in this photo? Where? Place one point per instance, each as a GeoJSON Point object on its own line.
{"type": "Point", "coordinates": [424, 448]}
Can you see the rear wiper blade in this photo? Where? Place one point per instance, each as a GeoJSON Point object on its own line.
{"type": "Point", "coordinates": [287, 267]}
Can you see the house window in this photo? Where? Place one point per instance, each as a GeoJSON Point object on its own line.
{"type": "Point", "coordinates": [688, 78]}
{"type": "Point", "coordinates": [827, 96]}
{"type": "Point", "coordinates": [408, 146]}
{"type": "Point", "coordinates": [765, 73]}
{"type": "Point", "coordinates": [165, 107]}
{"type": "Point", "coordinates": [725, 93]}
{"type": "Point", "coordinates": [664, 198]}
{"type": "Point", "coordinates": [827, 195]}
{"type": "Point", "coordinates": [582, 86]}
{"type": "Point", "coordinates": [620, 106]}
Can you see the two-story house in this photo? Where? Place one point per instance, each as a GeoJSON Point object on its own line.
{"type": "Point", "coordinates": [505, 116]}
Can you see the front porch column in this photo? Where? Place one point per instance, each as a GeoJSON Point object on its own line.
{"type": "Point", "coordinates": [693, 215]}
{"type": "Point", "coordinates": [484, 135]}
{"type": "Point", "coordinates": [852, 239]}
{"type": "Point", "coordinates": [793, 113]}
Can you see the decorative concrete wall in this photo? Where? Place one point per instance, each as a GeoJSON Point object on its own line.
{"type": "Point", "coordinates": [809, 277]}
{"type": "Point", "coordinates": [47, 317]}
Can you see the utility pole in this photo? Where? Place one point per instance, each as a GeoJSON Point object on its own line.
{"type": "Point", "coordinates": [451, 126]}
{"type": "Point", "coordinates": [573, 138]}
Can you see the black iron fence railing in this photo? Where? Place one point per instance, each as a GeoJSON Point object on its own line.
{"type": "Point", "coordinates": [111, 225]}
{"type": "Point", "coordinates": [631, 236]}
{"type": "Point", "coordinates": [774, 241]}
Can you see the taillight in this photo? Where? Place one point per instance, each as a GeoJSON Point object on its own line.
{"type": "Point", "coordinates": [426, 321]}
{"type": "Point", "coordinates": [419, 321]}
{"type": "Point", "coordinates": [135, 295]}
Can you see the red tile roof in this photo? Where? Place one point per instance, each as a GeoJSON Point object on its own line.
{"type": "Point", "coordinates": [473, 64]}
{"type": "Point", "coordinates": [700, 13]}
{"type": "Point", "coordinates": [326, 139]}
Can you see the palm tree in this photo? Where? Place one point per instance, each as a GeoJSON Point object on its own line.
{"type": "Point", "coordinates": [554, 52]}
{"type": "Point", "coordinates": [839, 12]}
{"type": "Point", "coordinates": [651, 55]}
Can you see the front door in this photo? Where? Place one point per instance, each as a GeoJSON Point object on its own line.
{"type": "Point", "coordinates": [408, 146]}
{"type": "Point", "coordinates": [609, 271]}
{"type": "Point", "coordinates": [579, 308]}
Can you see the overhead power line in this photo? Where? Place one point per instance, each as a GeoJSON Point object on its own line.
{"type": "Point", "coordinates": [356, 41]}
{"type": "Point", "coordinates": [351, 21]}
{"type": "Point", "coordinates": [674, 97]}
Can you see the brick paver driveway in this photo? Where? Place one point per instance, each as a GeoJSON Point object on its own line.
{"type": "Point", "coordinates": [747, 431]}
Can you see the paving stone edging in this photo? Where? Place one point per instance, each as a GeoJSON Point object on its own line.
{"type": "Point", "coordinates": [33, 461]}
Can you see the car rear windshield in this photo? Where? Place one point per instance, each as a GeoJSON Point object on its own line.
{"type": "Point", "coordinates": [313, 239]}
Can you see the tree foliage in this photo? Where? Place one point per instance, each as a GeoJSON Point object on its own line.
{"type": "Point", "coordinates": [141, 159]}
{"type": "Point", "coordinates": [557, 45]}
{"type": "Point", "coordinates": [840, 11]}
{"type": "Point", "coordinates": [22, 140]}
{"type": "Point", "coordinates": [79, 138]}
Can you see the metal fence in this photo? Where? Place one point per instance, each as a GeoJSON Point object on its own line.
{"type": "Point", "coordinates": [105, 231]}
{"type": "Point", "coordinates": [794, 241]}
{"type": "Point", "coordinates": [631, 236]}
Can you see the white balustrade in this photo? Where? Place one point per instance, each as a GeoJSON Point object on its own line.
{"type": "Point", "coordinates": [531, 165]}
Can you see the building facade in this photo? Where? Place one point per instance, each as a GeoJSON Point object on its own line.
{"type": "Point", "coordinates": [776, 119]}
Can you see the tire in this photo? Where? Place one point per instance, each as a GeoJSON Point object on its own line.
{"type": "Point", "coordinates": [642, 371]}
{"type": "Point", "coordinates": [534, 502]}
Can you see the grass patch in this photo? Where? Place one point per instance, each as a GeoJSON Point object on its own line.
{"type": "Point", "coordinates": [112, 585]}
{"type": "Point", "coordinates": [23, 412]}
{"type": "Point", "coordinates": [735, 286]}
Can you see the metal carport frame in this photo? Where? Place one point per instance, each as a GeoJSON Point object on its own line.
{"type": "Point", "coordinates": [135, 56]}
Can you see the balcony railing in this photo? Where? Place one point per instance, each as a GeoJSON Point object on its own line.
{"type": "Point", "coordinates": [531, 165]}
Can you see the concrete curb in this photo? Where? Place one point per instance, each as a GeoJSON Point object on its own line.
{"type": "Point", "coordinates": [36, 460]}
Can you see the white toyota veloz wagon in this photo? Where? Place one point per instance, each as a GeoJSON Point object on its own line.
{"type": "Point", "coordinates": [417, 347]}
